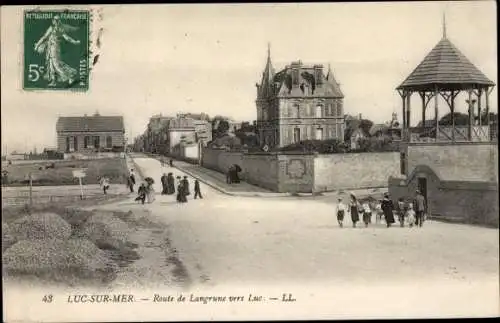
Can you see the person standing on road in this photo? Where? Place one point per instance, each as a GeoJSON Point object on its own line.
{"type": "Point", "coordinates": [401, 211]}
{"type": "Point", "coordinates": [388, 208]}
{"type": "Point", "coordinates": [185, 185]}
{"type": "Point", "coordinates": [354, 210]}
{"type": "Point", "coordinates": [131, 181]}
{"type": "Point", "coordinates": [141, 193]}
{"type": "Point", "coordinates": [164, 184]}
{"type": "Point", "coordinates": [420, 208]}
{"type": "Point", "coordinates": [170, 184]}
{"type": "Point", "coordinates": [340, 212]}
{"type": "Point", "coordinates": [104, 182]}
{"type": "Point", "coordinates": [197, 191]}
{"type": "Point", "coordinates": [410, 215]}
{"type": "Point", "coordinates": [367, 213]}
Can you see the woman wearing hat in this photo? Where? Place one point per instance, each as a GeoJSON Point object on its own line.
{"type": "Point", "coordinates": [388, 208]}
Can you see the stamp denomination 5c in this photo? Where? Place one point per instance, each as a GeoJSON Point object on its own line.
{"type": "Point", "coordinates": [56, 50]}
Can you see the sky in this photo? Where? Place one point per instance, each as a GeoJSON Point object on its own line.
{"type": "Point", "coordinates": [207, 58]}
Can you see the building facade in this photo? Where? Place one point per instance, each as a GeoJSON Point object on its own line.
{"type": "Point", "coordinates": [90, 133]}
{"type": "Point", "coordinates": [298, 103]}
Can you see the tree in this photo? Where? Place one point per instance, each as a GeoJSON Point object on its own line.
{"type": "Point", "coordinates": [461, 119]}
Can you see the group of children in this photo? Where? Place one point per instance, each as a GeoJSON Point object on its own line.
{"type": "Point", "coordinates": [366, 211]}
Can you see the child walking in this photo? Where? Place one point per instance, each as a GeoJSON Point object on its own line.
{"type": "Point", "coordinates": [367, 213]}
{"type": "Point", "coordinates": [410, 215]}
{"type": "Point", "coordinates": [401, 212]}
{"type": "Point", "coordinates": [341, 207]}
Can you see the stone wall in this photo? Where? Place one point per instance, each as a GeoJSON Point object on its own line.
{"type": "Point", "coordinates": [469, 202]}
{"type": "Point", "coordinates": [296, 173]}
{"type": "Point", "coordinates": [464, 162]}
{"type": "Point", "coordinates": [354, 170]}
{"type": "Point", "coordinates": [261, 170]}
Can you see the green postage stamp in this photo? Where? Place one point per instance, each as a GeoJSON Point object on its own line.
{"type": "Point", "coordinates": [56, 50]}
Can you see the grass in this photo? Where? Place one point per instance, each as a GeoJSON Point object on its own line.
{"type": "Point", "coordinates": [62, 173]}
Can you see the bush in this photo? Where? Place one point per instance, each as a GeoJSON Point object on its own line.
{"type": "Point", "coordinates": [328, 146]}
{"type": "Point", "coordinates": [377, 144]}
{"type": "Point", "coordinates": [40, 226]}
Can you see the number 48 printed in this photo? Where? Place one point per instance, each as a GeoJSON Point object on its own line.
{"type": "Point", "coordinates": [35, 72]}
{"type": "Point", "coordinates": [47, 298]}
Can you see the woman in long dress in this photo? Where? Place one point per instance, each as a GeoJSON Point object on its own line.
{"type": "Point", "coordinates": [50, 45]}
{"type": "Point", "coordinates": [354, 205]}
{"type": "Point", "coordinates": [388, 208]}
{"type": "Point", "coordinates": [170, 184]}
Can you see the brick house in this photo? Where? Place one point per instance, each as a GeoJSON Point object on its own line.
{"type": "Point", "coordinates": [298, 103]}
{"type": "Point", "coordinates": [90, 133]}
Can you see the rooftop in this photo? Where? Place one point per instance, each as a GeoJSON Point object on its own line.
{"type": "Point", "coordinates": [95, 123]}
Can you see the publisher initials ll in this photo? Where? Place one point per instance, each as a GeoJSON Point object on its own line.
{"type": "Point", "coordinates": [288, 298]}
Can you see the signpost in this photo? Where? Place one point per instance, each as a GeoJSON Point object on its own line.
{"type": "Point", "coordinates": [80, 173]}
{"type": "Point", "coordinates": [31, 189]}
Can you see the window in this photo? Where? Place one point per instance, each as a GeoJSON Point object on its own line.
{"type": "Point", "coordinates": [109, 142]}
{"type": "Point", "coordinates": [96, 140]}
{"type": "Point", "coordinates": [319, 134]}
{"type": "Point", "coordinates": [296, 135]}
{"type": "Point", "coordinates": [75, 143]}
{"type": "Point", "coordinates": [86, 142]}
{"type": "Point", "coordinates": [297, 111]}
{"type": "Point", "coordinates": [319, 111]}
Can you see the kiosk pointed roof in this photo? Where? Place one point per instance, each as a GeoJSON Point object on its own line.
{"type": "Point", "coordinates": [446, 67]}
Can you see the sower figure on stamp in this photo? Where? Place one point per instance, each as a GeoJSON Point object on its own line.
{"type": "Point", "coordinates": [50, 44]}
{"type": "Point", "coordinates": [197, 191]}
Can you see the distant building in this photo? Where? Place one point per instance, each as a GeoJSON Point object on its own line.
{"type": "Point", "coordinates": [298, 103]}
{"type": "Point", "coordinates": [90, 133]}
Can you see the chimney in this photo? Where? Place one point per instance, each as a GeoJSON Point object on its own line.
{"type": "Point", "coordinates": [318, 70]}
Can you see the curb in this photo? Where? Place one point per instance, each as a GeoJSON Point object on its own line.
{"type": "Point", "coordinates": [239, 194]}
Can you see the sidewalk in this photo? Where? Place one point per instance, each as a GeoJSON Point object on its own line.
{"type": "Point", "coordinates": [217, 181]}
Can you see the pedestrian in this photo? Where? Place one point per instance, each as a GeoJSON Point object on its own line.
{"type": "Point", "coordinates": [340, 212]}
{"type": "Point", "coordinates": [132, 175]}
{"type": "Point", "coordinates": [410, 215]}
{"type": "Point", "coordinates": [197, 191]}
{"type": "Point", "coordinates": [104, 182]}
{"type": "Point", "coordinates": [171, 162]}
{"type": "Point", "coordinates": [185, 185]}
{"type": "Point", "coordinates": [180, 190]}
{"type": "Point", "coordinates": [164, 184]}
{"type": "Point", "coordinates": [141, 193]}
{"type": "Point", "coordinates": [388, 209]}
{"type": "Point", "coordinates": [421, 208]}
{"type": "Point", "coordinates": [367, 213]}
{"type": "Point", "coordinates": [401, 210]}
{"type": "Point", "coordinates": [354, 210]}
{"type": "Point", "coordinates": [150, 193]}
{"type": "Point", "coordinates": [170, 184]}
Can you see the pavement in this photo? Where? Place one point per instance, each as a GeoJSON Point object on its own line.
{"type": "Point", "coordinates": [295, 245]}
{"type": "Point", "coordinates": [217, 181]}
